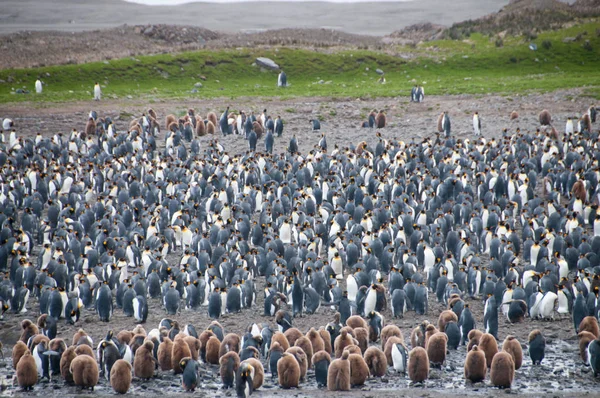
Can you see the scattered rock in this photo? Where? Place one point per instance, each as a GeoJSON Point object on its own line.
{"type": "Point", "coordinates": [379, 72]}
{"type": "Point", "coordinates": [198, 85]}
{"type": "Point", "coordinates": [267, 63]}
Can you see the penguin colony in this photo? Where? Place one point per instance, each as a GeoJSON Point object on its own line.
{"type": "Point", "coordinates": [359, 229]}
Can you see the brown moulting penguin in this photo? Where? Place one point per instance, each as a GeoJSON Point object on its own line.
{"type": "Point", "coordinates": [194, 345]}
{"type": "Point", "coordinates": [417, 335]}
{"type": "Point", "coordinates": [304, 343]}
{"type": "Point", "coordinates": [228, 366]}
{"type": "Point", "coordinates": [489, 346]}
{"type": "Point", "coordinates": [475, 365]}
{"type": "Point", "coordinates": [362, 338]}
{"type": "Point", "coordinates": [163, 354]}
{"type": "Point", "coordinates": [445, 317]}
{"type": "Point", "coordinates": [436, 349]}
{"type": "Point", "coordinates": [180, 350]}
{"type": "Point", "coordinates": [85, 372]}
{"type": "Point", "coordinates": [213, 346]}
{"type": "Point", "coordinates": [327, 343]}
{"type": "Point", "coordinates": [502, 371]}
{"type": "Point", "coordinates": [589, 324]}
{"type": "Point", "coordinates": [144, 362]}
{"type": "Point", "coordinates": [292, 334]}
{"type": "Point", "coordinates": [338, 375]}
{"type": "Point", "coordinates": [356, 321]}
{"type": "Point", "coordinates": [84, 350]}
{"type": "Point", "coordinates": [200, 127]}
{"type": "Point", "coordinates": [376, 323]}
{"type": "Point", "coordinates": [430, 331]}
{"type": "Point", "coordinates": [288, 371]}
{"type": "Point", "coordinates": [418, 365]}
{"type": "Point", "coordinates": [65, 364]}
{"type": "Point", "coordinates": [359, 371]}
{"type": "Point", "coordinates": [321, 361]}
{"type": "Point", "coordinates": [258, 372]}
{"type": "Point", "coordinates": [203, 339]}
{"type": "Point", "coordinates": [120, 376]}
{"type": "Point", "coordinates": [513, 347]}
{"type": "Point", "coordinates": [353, 349]}
{"type": "Point", "coordinates": [585, 338]}
{"type": "Point", "coordinates": [376, 361]}
{"type": "Point", "coordinates": [212, 118]}
{"type": "Point", "coordinates": [389, 331]}
{"type": "Point", "coordinates": [81, 337]}
{"type": "Point", "coordinates": [514, 115]}
{"type": "Point", "coordinates": [170, 119]}
{"type": "Point", "coordinates": [210, 128]}
{"type": "Point", "coordinates": [27, 373]}
{"type": "Point", "coordinates": [301, 359]}
{"type": "Point", "coordinates": [537, 346]}
{"type": "Point", "coordinates": [231, 342]}
{"type": "Point", "coordinates": [380, 120]}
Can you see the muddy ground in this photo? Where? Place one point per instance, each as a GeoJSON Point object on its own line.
{"type": "Point", "coordinates": [562, 372]}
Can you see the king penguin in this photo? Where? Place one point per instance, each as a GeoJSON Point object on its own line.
{"type": "Point", "coordinates": [476, 124]}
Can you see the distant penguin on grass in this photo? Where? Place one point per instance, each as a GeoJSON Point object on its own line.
{"type": "Point", "coordinates": [97, 92]}
{"type": "Point", "coordinates": [38, 86]}
{"type": "Point", "coordinates": [282, 79]}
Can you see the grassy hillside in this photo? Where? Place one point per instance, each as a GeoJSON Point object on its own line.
{"type": "Point", "coordinates": [478, 65]}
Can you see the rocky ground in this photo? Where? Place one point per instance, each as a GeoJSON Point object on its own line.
{"type": "Point", "coordinates": [562, 372]}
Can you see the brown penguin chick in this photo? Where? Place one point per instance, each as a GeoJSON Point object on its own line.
{"type": "Point", "coordinates": [281, 339]}
{"type": "Point", "coordinates": [418, 365]}
{"type": "Point", "coordinates": [210, 128]}
{"type": "Point", "coordinates": [417, 335]}
{"type": "Point", "coordinates": [475, 365]}
{"type": "Point", "coordinates": [436, 349]}
{"type": "Point", "coordinates": [306, 346]}
{"type": "Point", "coordinates": [173, 126]}
{"type": "Point", "coordinates": [144, 362]}
{"type": "Point", "coordinates": [380, 120]}
{"type": "Point", "coordinates": [352, 349]}
{"type": "Point", "coordinates": [292, 334]}
{"type": "Point", "coordinates": [85, 371]}
{"type": "Point", "coordinates": [28, 330]}
{"type": "Point", "coordinates": [37, 339]}
{"type": "Point", "coordinates": [585, 338]}
{"type": "Point", "coordinates": [452, 300]}
{"type": "Point", "coordinates": [341, 342]}
{"type": "Point", "coordinates": [356, 321]}
{"type": "Point", "coordinates": [212, 117]}
{"type": "Point", "coordinates": [489, 346]}
{"type": "Point", "coordinates": [513, 347]}
{"type": "Point", "coordinates": [326, 336]}
{"type": "Point", "coordinates": [200, 127]}
{"type": "Point", "coordinates": [124, 337]}
{"type": "Point", "coordinates": [65, 364]}
{"type": "Point", "coordinates": [169, 120]}
{"type": "Point", "coordinates": [213, 345]}
{"type": "Point", "coordinates": [258, 129]}
{"type": "Point", "coordinates": [231, 342]}
{"type": "Point", "coordinates": [360, 147]}
{"type": "Point", "coordinates": [389, 331]}
{"type": "Point", "coordinates": [152, 113]}
{"type": "Point", "coordinates": [376, 361]}
{"type": "Point", "coordinates": [389, 345]}
{"type": "Point", "coordinates": [338, 375]}
{"type": "Point", "coordinates": [18, 351]}
{"type": "Point", "coordinates": [315, 340]}
{"type": "Point", "coordinates": [27, 374]}
{"type": "Point", "coordinates": [138, 329]}
{"type": "Point", "coordinates": [163, 354]}
{"type": "Point", "coordinates": [446, 317]}
{"type": "Point", "coordinates": [194, 345]}
{"type": "Point", "coordinates": [545, 118]}
{"type": "Point", "coordinates": [580, 193]}
{"type": "Point", "coordinates": [301, 358]}
{"type": "Point", "coordinates": [502, 371]}
{"type": "Point", "coordinates": [203, 338]}
{"type": "Point", "coordinates": [228, 366]}
{"type": "Point", "coordinates": [84, 350]}
{"type": "Point", "coordinates": [258, 377]}
{"type": "Point", "coordinates": [90, 127]}
{"type": "Point", "coordinates": [473, 336]}
{"type": "Point", "coordinates": [589, 324]}
{"type": "Point", "coordinates": [180, 350]}
{"type": "Point", "coordinates": [359, 371]}
{"type": "Point", "coordinates": [120, 376]}
{"type": "Point", "coordinates": [514, 115]}
{"type": "Point", "coordinates": [430, 331]}
{"type": "Point", "coordinates": [348, 330]}
{"type": "Point", "coordinates": [78, 337]}
{"type": "Point", "coordinates": [362, 337]}
{"type": "Point", "coordinates": [137, 341]}
{"type": "Point", "coordinates": [288, 371]}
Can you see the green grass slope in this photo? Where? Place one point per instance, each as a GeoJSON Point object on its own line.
{"type": "Point", "coordinates": [566, 58]}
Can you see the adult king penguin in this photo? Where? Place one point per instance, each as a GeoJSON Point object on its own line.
{"type": "Point", "coordinates": [97, 92]}
{"type": "Point", "coordinates": [282, 79]}
{"type": "Point", "coordinates": [476, 124]}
